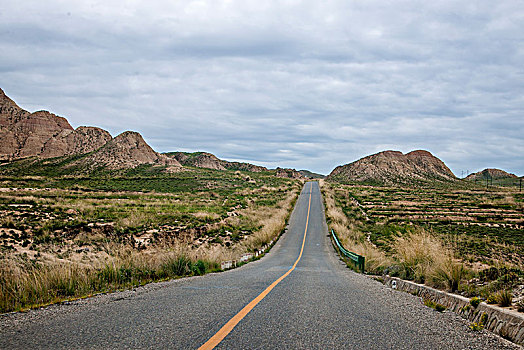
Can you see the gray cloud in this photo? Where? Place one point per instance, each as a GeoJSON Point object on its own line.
{"type": "Point", "coordinates": [286, 83]}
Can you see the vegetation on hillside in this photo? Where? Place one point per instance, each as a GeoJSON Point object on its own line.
{"type": "Point", "coordinates": [461, 238]}
{"type": "Point", "coordinates": [65, 235]}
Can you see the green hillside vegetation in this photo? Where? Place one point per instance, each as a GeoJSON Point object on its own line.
{"type": "Point", "coordinates": [68, 231]}
{"type": "Point", "coordinates": [430, 233]}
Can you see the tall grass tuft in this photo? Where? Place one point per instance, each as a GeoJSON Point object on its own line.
{"type": "Point", "coordinates": [450, 274]}
{"type": "Point", "coordinates": [419, 253]}
{"type": "Point", "coordinates": [504, 298]}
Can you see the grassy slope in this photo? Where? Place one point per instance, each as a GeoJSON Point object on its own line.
{"type": "Point", "coordinates": [67, 234]}
{"type": "Point", "coordinates": [434, 225]}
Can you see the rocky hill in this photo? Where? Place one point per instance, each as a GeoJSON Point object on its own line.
{"type": "Point", "coordinates": [198, 160]}
{"type": "Point", "coordinates": [127, 150]}
{"type": "Point", "coordinates": [288, 173]}
{"type": "Point", "coordinates": [393, 167]}
{"type": "Point", "coordinates": [210, 161]}
{"type": "Point", "coordinates": [494, 174]}
{"type": "Point", "coordinates": [45, 135]}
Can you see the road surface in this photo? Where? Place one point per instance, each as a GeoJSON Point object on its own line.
{"type": "Point", "coordinates": [320, 304]}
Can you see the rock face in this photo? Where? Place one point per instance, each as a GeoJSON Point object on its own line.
{"type": "Point", "coordinates": [245, 167]}
{"type": "Point", "coordinates": [494, 174]}
{"type": "Point", "coordinates": [127, 150]}
{"type": "Point", "coordinates": [210, 161]}
{"type": "Point", "coordinates": [43, 134]}
{"type": "Point", "coordinates": [10, 113]}
{"type": "Point", "coordinates": [392, 167]}
{"type": "Point", "coordinates": [84, 139]}
{"type": "Point", "coordinates": [198, 159]}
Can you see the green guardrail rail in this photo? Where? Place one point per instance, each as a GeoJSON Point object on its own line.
{"type": "Point", "coordinates": [358, 260]}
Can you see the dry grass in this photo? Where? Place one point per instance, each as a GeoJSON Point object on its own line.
{"type": "Point", "coordinates": [23, 284]}
{"type": "Point", "coordinates": [179, 236]}
{"type": "Point", "coordinates": [351, 238]}
{"type": "Point", "coordinates": [421, 255]}
{"type": "Point", "coordinates": [271, 220]}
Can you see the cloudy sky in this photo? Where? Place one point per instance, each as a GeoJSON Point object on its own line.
{"type": "Point", "coordinates": [302, 84]}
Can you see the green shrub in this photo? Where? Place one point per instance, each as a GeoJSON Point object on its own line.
{"type": "Point", "coordinates": [465, 308]}
{"type": "Point", "coordinates": [475, 302]}
{"type": "Point", "coordinates": [179, 266]}
{"type": "Point", "coordinates": [430, 303]}
{"type": "Point", "coordinates": [199, 268]}
{"type": "Point", "coordinates": [476, 326]}
{"type": "Point", "coordinates": [484, 318]}
{"type": "Point", "coordinates": [491, 299]}
{"type": "Point", "coordinates": [450, 274]}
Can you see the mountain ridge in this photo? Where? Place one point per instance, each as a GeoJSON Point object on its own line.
{"type": "Point", "coordinates": [210, 161]}
{"type": "Point", "coordinates": [45, 135]}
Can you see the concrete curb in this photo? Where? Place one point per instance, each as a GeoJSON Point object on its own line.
{"type": "Point", "coordinates": [506, 323]}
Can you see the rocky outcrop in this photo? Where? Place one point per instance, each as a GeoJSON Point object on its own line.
{"type": "Point", "coordinates": [210, 161]}
{"type": "Point", "coordinates": [9, 111]}
{"type": "Point", "coordinates": [494, 174]}
{"type": "Point", "coordinates": [43, 134]}
{"type": "Point", "coordinates": [288, 173]}
{"type": "Point", "coordinates": [311, 175]}
{"type": "Point", "coordinates": [245, 167]}
{"type": "Point", "coordinates": [84, 139]}
{"type": "Point", "coordinates": [198, 160]}
{"type": "Point", "coordinates": [127, 150]}
{"type": "Point", "coordinates": [392, 167]}
{"type": "Point", "coordinates": [26, 134]}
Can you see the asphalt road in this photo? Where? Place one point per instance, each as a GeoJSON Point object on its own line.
{"type": "Point", "coordinates": [320, 305]}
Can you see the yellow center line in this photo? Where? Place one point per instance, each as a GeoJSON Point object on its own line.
{"type": "Point", "coordinates": [228, 327]}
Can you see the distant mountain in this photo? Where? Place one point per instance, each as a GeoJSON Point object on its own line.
{"type": "Point", "coordinates": [311, 175]}
{"type": "Point", "coordinates": [46, 135]}
{"type": "Point", "coordinates": [393, 167]}
{"type": "Point", "coordinates": [210, 161]}
{"type": "Point", "coordinates": [495, 174]}
{"type": "Point", "coordinates": [198, 160]}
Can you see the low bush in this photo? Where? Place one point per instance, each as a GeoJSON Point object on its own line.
{"type": "Point", "coordinates": [491, 299]}
{"type": "Point", "coordinates": [475, 302]}
{"type": "Point", "coordinates": [450, 274]}
{"type": "Point", "coordinates": [476, 326]}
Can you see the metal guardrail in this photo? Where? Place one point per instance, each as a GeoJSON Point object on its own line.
{"type": "Point", "coordinates": [358, 260]}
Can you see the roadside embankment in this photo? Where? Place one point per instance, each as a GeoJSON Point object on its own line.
{"type": "Point", "coordinates": [506, 323]}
